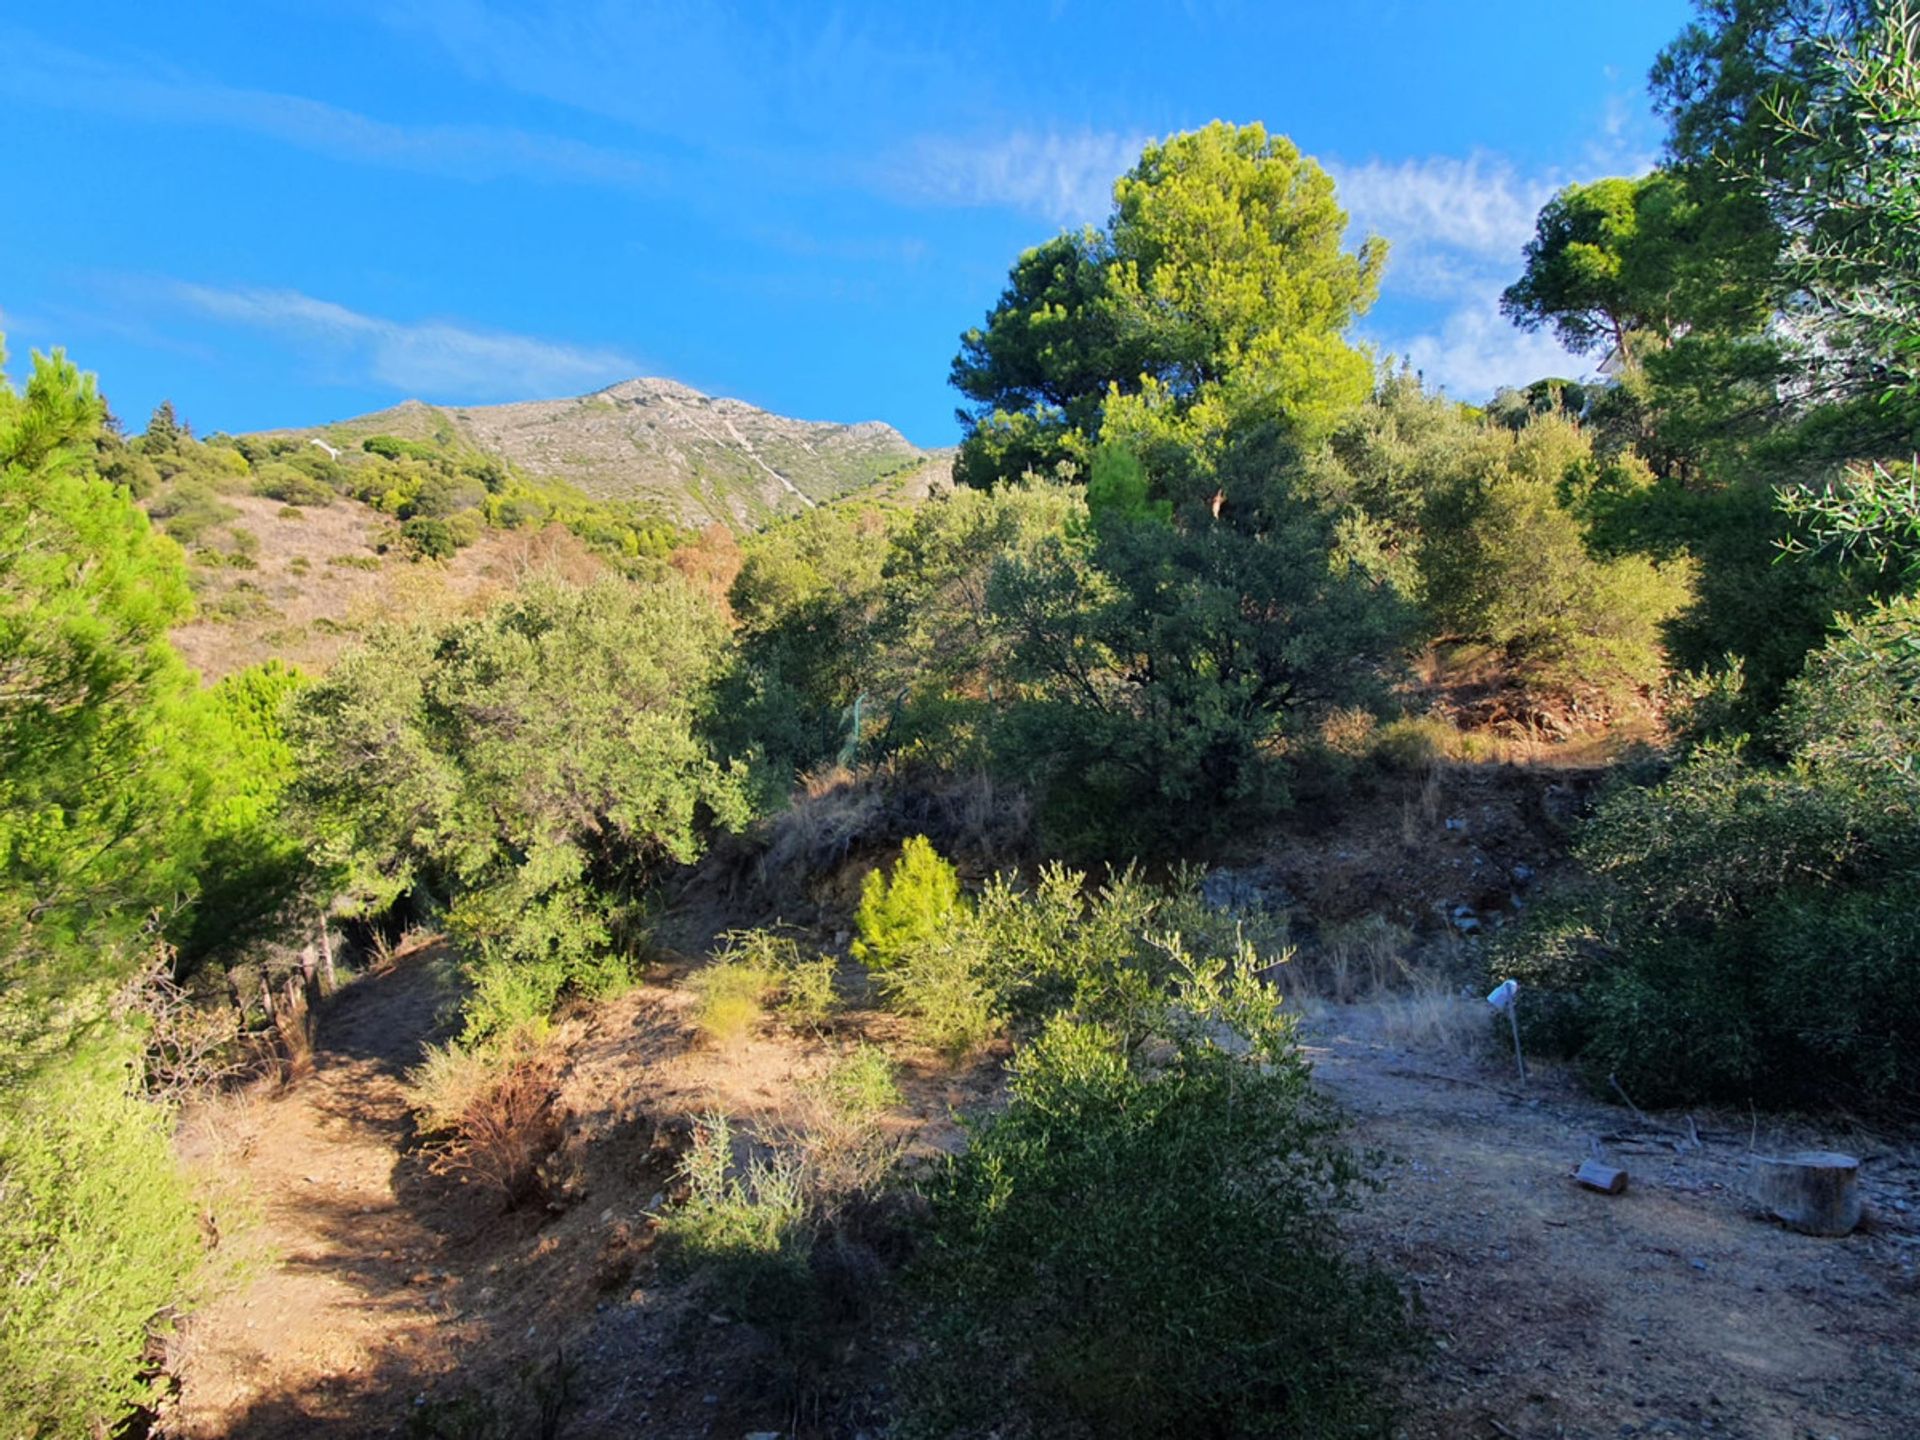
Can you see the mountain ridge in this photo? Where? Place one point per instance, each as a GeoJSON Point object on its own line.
{"type": "Point", "coordinates": [701, 457]}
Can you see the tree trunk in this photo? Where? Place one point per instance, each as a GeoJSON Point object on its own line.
{"type": "Point", "coordinates": [1816, 1192]}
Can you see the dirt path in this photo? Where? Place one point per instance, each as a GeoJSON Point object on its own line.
{"type": "Point", "coordinates": [1674, 1309]}
{"type": "Point", "coordinates": [381, 1294]}
{"type": "Point", "coordinates": [340, 1310]}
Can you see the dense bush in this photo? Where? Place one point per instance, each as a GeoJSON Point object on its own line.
{"type": "Point", "coordinates": [1505, 559]}
{"type": "Point", "coordinates": [277, 480]}
{"type": "Point", "coordinates": [1142, 1242]}
{"type": "Point", "coordinates": [534, 769]}
{"type": "Point", "coordinates": [99, 1237]}
{"type": "Point", "coordinates": [1740, 932]}
{"type": "Point", "coordinates": [964, 967]}
{"type": "Point", "coordinates": [758, 968]}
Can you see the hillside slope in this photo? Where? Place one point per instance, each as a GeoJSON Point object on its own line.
{"type": "Point", "coordinates": [701, 457]}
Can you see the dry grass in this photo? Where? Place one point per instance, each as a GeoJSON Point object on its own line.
{"type": "Point", "coordinates": [1433, 1018]}
{"type": "Point", "coordinates": [317, 583]}
{"type": "Point", "coordinates": [493, 1109]}
{"type": "Point", "coordinates": [1365, 957]}
{"type": "Point", "coordinates": [1420, 811]}
{"type": "Point", "coordinates": [293, 1028]}
{"type": "Point", "coordinates": [845, 1151]}
{"type": "Point", "coordinates": [1374, 970]}
{"type": "Point", "coordinates": [731, 994]}
{"type": "Point", "coordinates": [838, 813]}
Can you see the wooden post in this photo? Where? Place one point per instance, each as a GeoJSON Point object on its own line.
{"type": "Point", "coordinates": [326, 955]}
{"type": "Point", "coordinates": [1513, 1019]}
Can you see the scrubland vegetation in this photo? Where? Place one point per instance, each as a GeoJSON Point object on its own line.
{"type": "Point", "coordinates": [1200, 545]}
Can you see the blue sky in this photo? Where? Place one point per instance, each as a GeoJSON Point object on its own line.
{"type": "Point", "coordinates": [292, 212]}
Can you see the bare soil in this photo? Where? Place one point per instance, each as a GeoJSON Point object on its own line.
{"type": "Point", "coordinates": [1675, 1308]}
{"type": "Point", "coordinates": [387, 1300]}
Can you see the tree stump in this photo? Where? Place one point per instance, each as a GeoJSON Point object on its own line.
{"type": "Point", "coordinates": [1816, 1192]}
{"type": "Point", "coordinates": [1607, 1179]}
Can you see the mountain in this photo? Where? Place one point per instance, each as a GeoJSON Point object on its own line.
{"type": "Point", "coordinates": [702, 457]}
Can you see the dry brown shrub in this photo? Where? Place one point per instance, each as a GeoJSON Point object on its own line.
{"type": "Point", "coordinates": [293, 1028]}
{"type": "Point", "coordinates": [838, 814]}
{"type": "Point", "coordinates": [193, 1046]}
{"type": "Point", "coordinates": [495, 1115]}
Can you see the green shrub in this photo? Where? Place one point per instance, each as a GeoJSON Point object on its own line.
{"type": "Point", "coordinates": [533, 935]}
{"type": "Point", "coordinates": [807, 993]}
{"type": "Point", "coordinates": [746, 1232]}
{"type": "Point", "coordinates": [1103, 953]}
{"type": "Point", "coordinates": [189, 509]}
{"type": "Point", "coordinates": [428, 537]}
{"type": "Point", "coordinates": [755, 969]}
{"type": "Point", "coordinates": [861, 1085]}
{"type": "Point", "coordinates": [945, 984]}
{"type": "Point", "coordinates": [98, 1239]}
{"type": "Point", "coordinates": [536, 766]}
{"type": "Point", "coordinates": [392, 447]}
{"type": "Point", "coordinates": [1739, 932]}
{"type": "Point", "coordinates": [1142, 1242]}
{"type": "Point", "coordinates": [1411, 745]}
{"type": "Point", "coordinates": [1505, 558]}
{"type": "Point", "coordinates": [732, 997]}
{"type": "Point", "coordinates": [1021, 953]}
{"type": "Point", "coordinates": [906, 909]}
{"type": "Point", "coordinates": [280, 481]}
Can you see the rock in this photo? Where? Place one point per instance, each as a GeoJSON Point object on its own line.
{"type": "Point", "coordinates": [1816, 1192]}
{"type": "Point", "coordinates": [1255, 890]}
{"type": "Point", "coordinates": [1522, 874]}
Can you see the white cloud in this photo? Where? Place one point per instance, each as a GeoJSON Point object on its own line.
{"type": "Point", "coordinates": [1480, 207]}
{"type": "Point", "coordinates": [434, 358]}
{"type": "Point", "coordinates": [1063, 177]}
{"type": "Point", "coordinates": [46, 75]}
{"type": "Point", "coordinates": [1457, 230]}
{"type": "Point", "coordinates": [1477, 350]}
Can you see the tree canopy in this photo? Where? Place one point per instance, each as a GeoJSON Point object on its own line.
{"type": "Point", "coordinates": [1220, 272]}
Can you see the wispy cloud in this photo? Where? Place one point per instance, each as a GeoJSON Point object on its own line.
{"type": "Point", "coordinates": [1445, 216]}
{"type": "Point", "coordinates": [433, 358]}
{"type": "Point", "coordinates": [1458, 228]}
{"type": "Point", "coordinates": [708, 75]}
{"type": "Point", "coordinates": [1063, 177]}
{"type": "Point", "coordinates": [46, 75]}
